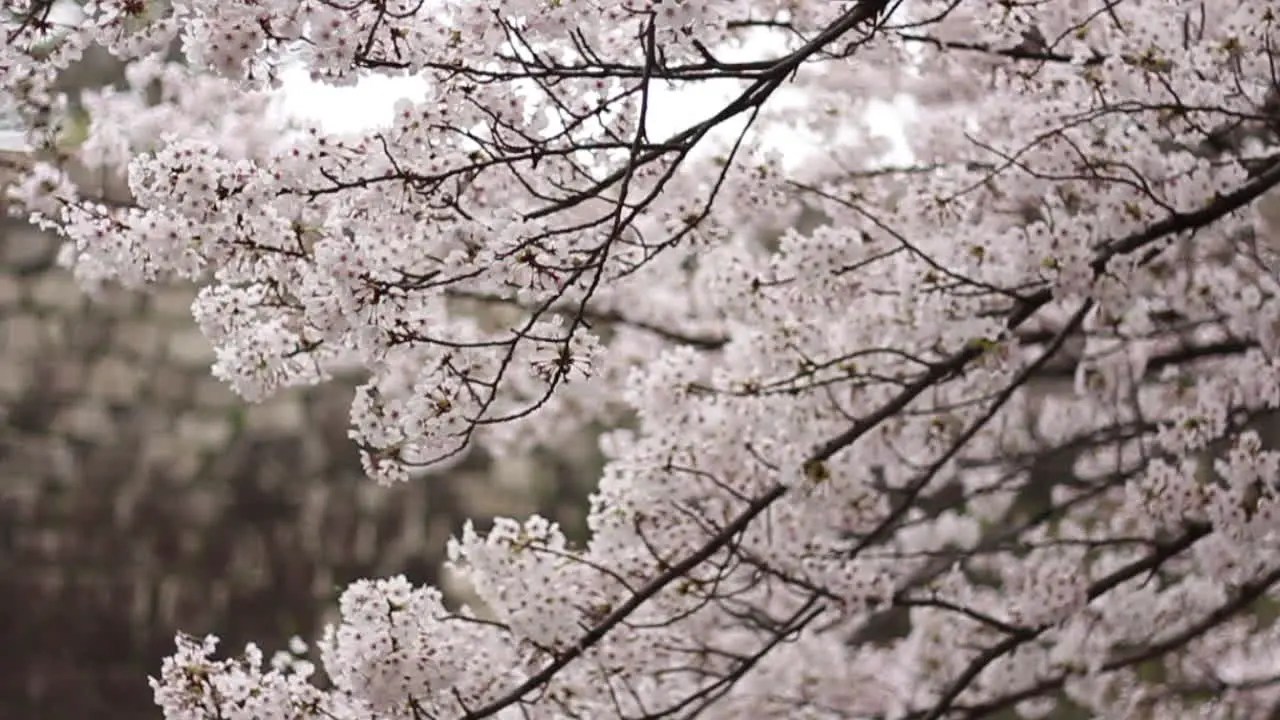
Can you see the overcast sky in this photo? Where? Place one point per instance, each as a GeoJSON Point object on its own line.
{"type": "Point", "coordinates": [370, 104]}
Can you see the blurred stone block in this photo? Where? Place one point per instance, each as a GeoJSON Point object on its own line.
{"type": "Point", "coordinates": [13, 380]}
{"type": "Point", "coordinates": [57, 291]}
{"type": "Point", "coordinates": [283, 416]}
{"type": "Point", "coordinates": [23, 335]}
{"type": "Point", "coordinates": [10, 292]}
{"type": "Point", "coordinates": [115, 379]}
{"type": "Point", "coordinates": [85, 421]}
{"type": "Point", "coordinates": [201, 432]}
{"type": "Point", "coordinates": [139, 338]}
{"type": "Point", "coordinates": [190, 348]}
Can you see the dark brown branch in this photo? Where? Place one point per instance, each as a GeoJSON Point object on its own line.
{"type": "Point", "coordinates": [1097, 589]}
{"type": "Point", "coordinates": [624, 610]}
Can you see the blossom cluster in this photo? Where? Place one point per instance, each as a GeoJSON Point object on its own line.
{"type": "Point", "coordinates": [997, 433]}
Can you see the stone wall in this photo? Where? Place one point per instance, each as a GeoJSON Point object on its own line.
{"type": "Point", "coordinates": [139, 496]}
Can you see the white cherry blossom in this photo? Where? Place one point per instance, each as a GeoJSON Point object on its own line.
{"type": "Point", "coordinates": [991, 431]}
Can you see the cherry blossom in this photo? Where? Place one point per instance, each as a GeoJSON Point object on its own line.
{"type": "Point", "coordinates": [990, 431]}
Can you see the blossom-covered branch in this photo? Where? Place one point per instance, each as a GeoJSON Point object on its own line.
{"type": "Point", "coordinates": [989, 429]}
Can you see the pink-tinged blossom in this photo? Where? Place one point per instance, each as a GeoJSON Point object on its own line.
{"type": "Point", "coordinates": [988, 431]}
